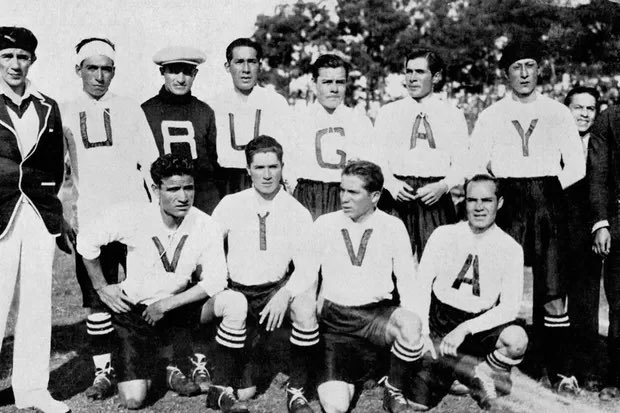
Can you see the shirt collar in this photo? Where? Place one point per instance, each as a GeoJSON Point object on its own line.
{"type": "Point", "coordinates": [30, 90]}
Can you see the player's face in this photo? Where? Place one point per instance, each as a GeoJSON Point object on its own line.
{"type": "Point", "coordinates": [357, 202]}
{"type": "Point", "coordinates": [418, 78]}
{"type": "Point", "coordinates": [97, 73]}
{"type": "Point", "coordinates": [176, 195]}
{"type": "Point", "coordinates": [481, 204]}
{"type": "Point", "coordinates": [266, 173]}
{"type": "Point", "coordinates": [243, 68]}
{"type": "Point", "coordinates": [523, 77]}
{"type": "Point", "coordinates": [583, 108]}
{"type": "Point", "coordinates": [331, 85]}
{"type": "Point", "coordinates": [179, 78]}
{"type": "Point", "coordinates": [14, 66]}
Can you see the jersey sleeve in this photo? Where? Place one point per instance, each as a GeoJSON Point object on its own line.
{"type": "Point", "coordinates": [404, 266]}
{"type": "Point", "coordinates": [382, 132]}
{"type": "Point", "coordinates": [458, 151]}
{"type": "Point", "coordinates": [214, 273]}
{"type": "Point", "coordinates": [571, 150]}
{"type": "Point", "coordinates": [427, 272]}
{"type": "Point", "coordinates": [219, 215]}
{"type": "Point", "coordinates": [303, 276]}
{"type": "Point", "coordinates": [112, 225]}
{"type": "Point", "coordinates": [479, 154]}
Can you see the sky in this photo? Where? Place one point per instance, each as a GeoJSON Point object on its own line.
{"type": "Point", "coordinates": [139, 28]}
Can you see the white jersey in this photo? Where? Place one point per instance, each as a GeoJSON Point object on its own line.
{"type": "Point", "coordinates": [264, 237]}
{"type": "Point", "coordinates": [107, 139]}
{"type": "Point", "coordinates": [240, 118]}
{"type": "Point", "coordinates": [357, 259]}
{"type": "Point", "coordinates": [160, 261]}
{"type": "Point", "coordinates": [326, 142]}
{"type": "Point", "coordinates": [523, 140]}
{"type": "Point", "coordinates": [427, 139]}
{"type": "Point", "coordinates": [476, 273]}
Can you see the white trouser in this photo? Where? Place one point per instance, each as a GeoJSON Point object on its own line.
{"type": "Point", "coordinates": [27, 254]}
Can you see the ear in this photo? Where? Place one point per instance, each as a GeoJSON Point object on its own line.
{"type": "Point", "coordinates": [437, 78]}
{"type": "Point", "coordinates": [161, 70]}
{"type": "Point", "coordinates": [77, 70]}
{"type": "Point", "coordinates": [227, 66]}
{"type": "Point", "coordinates": [247, 168]}
{"type": "Point", "coordinates": [374, 197]}
{"type": "Point", "coordinates": [155, 189]}
{"type": "Point", "coordinates": [500, 202]}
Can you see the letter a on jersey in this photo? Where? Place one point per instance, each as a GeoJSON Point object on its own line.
{"type": "Point", "coordinates": [475, 281]}
{"type": "Point", "coordinates": [356, 259]}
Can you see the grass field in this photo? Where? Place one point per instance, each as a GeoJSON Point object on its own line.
{"type": "Point", "coordinates": [71, 371]}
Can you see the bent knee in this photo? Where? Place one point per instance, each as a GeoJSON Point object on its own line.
{"type": "Point", "coordinates": [407, 325]}
{"type": "Point", "coordinates": [303, 311]}
{"type": "Point", "coordinates": [232, 306]}
{"type": "Point", "coordinates": [513, 340]}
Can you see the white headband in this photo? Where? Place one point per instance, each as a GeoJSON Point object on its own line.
{"type": "Point", "coordinates": [94, 48]}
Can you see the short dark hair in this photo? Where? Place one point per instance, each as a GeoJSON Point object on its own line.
{"type": "Point", "coordinates": [84, 42]}
{"type": "Point", "coordinates": [329, 60]}
{"type": "Point", "coordinates": [240, 42]}
{"type": "Point", "coordinates": [484, 178]}
{"type": "Point", "coordinates": [578, 90]}
{"type": "Point", "coordinates": [170, 165]}
{"type": "Point", "coordinates": [261, 144]}
{"type": "Point", "coordinates": [435, 62]}
{"type": "Point", "coordinates": [368, 172]}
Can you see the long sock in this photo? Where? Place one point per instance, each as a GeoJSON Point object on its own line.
{"type": "Point", "coordinates": [100, 336]}
{"type": "Point", "coordinates": [502, 365]}
{"type": "Point", "coordinates": [303, 351]}
{"type": "Point", "coordinates": [556, 345]}
{"type": "Point", "coordinates": [403, 361]}
{"type": "Point", "coordinates": [230, 354]}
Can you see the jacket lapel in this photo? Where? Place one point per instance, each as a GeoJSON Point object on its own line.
{"type": "Point", "coordinates": [5, 119]}
{"type": "Point", "coordinates": [43, 111]}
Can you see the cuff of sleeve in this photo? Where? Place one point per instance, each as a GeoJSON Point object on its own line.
{"type": "Point", "coordinates": [89, 254]}
{"type": "Point", "coordinates": [601, 224]}
{"type": "Point", "coordinates": [210, 287]}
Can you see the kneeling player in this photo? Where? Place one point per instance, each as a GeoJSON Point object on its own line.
{"type": "Point", "coordinates": [471, 284]}
{"type": "Point", "coordinates": [358, 249]}
{"type": "Point", "coordinates": [267, 229]}
{"type": "Point", "coordinates": [166, 245]}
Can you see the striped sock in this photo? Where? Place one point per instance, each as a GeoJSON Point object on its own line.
{"type": "Point", "coordinates": [498, 361]}
{"type": "Point", "coordinates": [98, 324]}
{"type": "Point", "coordinates": [230, 337]}
{"type": "Point", "coordinates": [555, 321]}
{"type": "Point", "coordinates": [304, 338]}
{"type": "Point", "coordinates": [402, 361]}
{"type": "Point", "coordinates": [557, 345]}
{"type": "Point", "coordinates": [406, 353]}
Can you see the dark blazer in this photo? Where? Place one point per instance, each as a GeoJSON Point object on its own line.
{"type": "Point", "coordinates": [39, 174]}
{"type": "Point", "coordinates": [603, 167]}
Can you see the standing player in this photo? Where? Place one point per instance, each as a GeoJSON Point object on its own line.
{"type": "Point", "coordinates": [329, 134]}
{"type": "Point", "coordinates": [357, 250]}
{"type": "Point", "coordinates": [182, 124]}
{"type": "Point", "coordinates": [31, 173]}
{"type": "Point", "coordinates": [168, 245]}
{"type": "Point", "coordinates": [258, 223]}
{"type": "Point", "coordinates": [470, 289]}
{"type": "Point", "coordinates": [108, 139]}
{"type": "Point", "coordinates": [521, 139]}
{"type": "Point", "coordinates": [425, 139]}
{"type": "Point", "coordinates": [244, 112]}
{"type": "Point", "coordinates": [584, 266]}
{"type": "Point", "coordinates": [603, 179]}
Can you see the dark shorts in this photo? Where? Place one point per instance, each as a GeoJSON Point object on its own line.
{"type": "Point", "coordinates": [432, 382]}
{"type": "Point", "coordinates": [112, 255]}
{"type": "Point", "coordinates": [257, 296]}
{"type": "Point", "coordinates": [353, 337]}
{"type": "Point", "coordinates": [318, 197]}
{"type": "Point", "coordinates": [139, 343]}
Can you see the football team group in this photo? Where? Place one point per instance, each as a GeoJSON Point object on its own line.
{"type": "Point", "coordinates": [242, 221]}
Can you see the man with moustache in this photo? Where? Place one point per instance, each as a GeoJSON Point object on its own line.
{"type": "Point", "coordinates": [31, 173]}
{"type": "Point", "coordinates": [111, 149]}
{"type": "Point", "coordinates": [524, 139]}
{"type": "Point", "coordinates": [584, 266]}
{"type": "Point", "coordinates": [425, 140]}
{"type": "Point", "coordinates": [329, 134]}
{"type": "Point", "coordinates": [245, 111]}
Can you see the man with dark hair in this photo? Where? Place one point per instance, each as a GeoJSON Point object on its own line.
{"type": "Point", "coordinates": [603, 180]}
{"type": "Point", "coordinates": [424, 140]}
{"type": "Point", "coordinates": [357, 250]}
{"type": "Point", "coordinates": [258, 223]}
{"type": "Point", "coordinates": [181, 123]}
{"type": "Point", "coordinates": [584, 267]}
{"type": "Point", "coordinates": [329, 134]}
{"type": "Point", "coordinates": [244, 112]}
{"type": "Point", "coordinates": [470, 288]}
{"type": "Point", "coordinates": [108, 139]}
{"type": "Point", "coordinates": [31, 173]}
{"type": "Point", "coordinates": [168, 245]}
{"type": "Point", "coordinates": [523, 139]}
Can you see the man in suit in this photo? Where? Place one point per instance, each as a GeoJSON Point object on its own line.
{"type": "Point", "coordinates": [31, 173]}
{"type": "Point", "coordinates": [603, 174]}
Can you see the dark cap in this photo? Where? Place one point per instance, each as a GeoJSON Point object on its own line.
{"type": "Point", "coordinates": [520, 49]}
{"type": "Point", "coordinates": [18, 38]}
